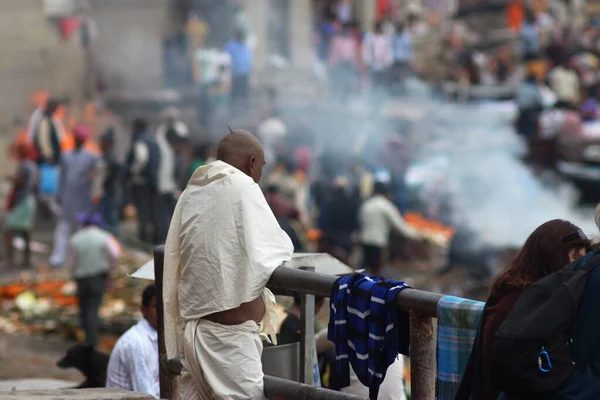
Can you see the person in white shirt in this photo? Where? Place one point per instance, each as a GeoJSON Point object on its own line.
{"type": "Point", "coordinates": [223, 245]}
{"type": "Point", "coordinates": [377, 54]}
{"type": "Point", "coordinates": [377, 216]}
{"type": "Point", "coordinates": [133, 363]}
{"type": "Point", "coordinates": [272, 132]}
{"type": "Point", "coordinates": [91, 254]}
{"type": "Point", "coordinates": [344, 11]}
{"type": "Point", "coordinates": [172, 130]}
{"type": "Point", "coordinates": [403, 51]}
{"type": "Point", "coordinates": [565, 84]}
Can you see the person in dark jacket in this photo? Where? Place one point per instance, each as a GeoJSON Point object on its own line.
{"type": "Point", "coordinates": [339, 220]}
{"type": "Point", "coordinates": [46, 136]}
{"type": "Point", "coordinates": [550, 247]}
{"type": "Point", "coordinates": [142, 175]}
{"type": "Point", "coordinates": [584, 382]}
{"type": "Point", "coordinates": [288, 217]}
{"type": "Point", "coordinates": [111, 174]}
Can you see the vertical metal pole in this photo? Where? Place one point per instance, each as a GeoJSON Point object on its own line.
{"type": "Point", "coordinates": [422, 357]}
{"type": "Point", "coordinates": [169, 384]}
{"type": "Point", "coordinates": [307, 335]}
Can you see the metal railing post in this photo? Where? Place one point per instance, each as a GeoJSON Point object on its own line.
{"type": "Point", "coordinates": [169, 383]}
{"type": "Point", "coordinates": [422, 357]}
{"type": "Point", "coordinates": [307, 335]}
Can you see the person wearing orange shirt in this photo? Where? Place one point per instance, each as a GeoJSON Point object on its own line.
{"type": "Point", "coordinates": [515, 13]}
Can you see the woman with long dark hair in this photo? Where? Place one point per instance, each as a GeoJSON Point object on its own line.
{"type": "Point", "coordinates": [549, 248]}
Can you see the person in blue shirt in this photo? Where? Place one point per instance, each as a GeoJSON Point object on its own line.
{"type": "Point", "coordinates": [529, 37]}
{"type": "Point", "coordinates": [530, 102]}
{"type": "Point", "coordinates": [241, 68]}
{"type": "Point", "coordinates": [403, 51]}
{"type": "Point", "coordinates": [326, 30]}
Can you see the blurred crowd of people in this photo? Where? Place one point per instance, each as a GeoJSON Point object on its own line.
{"type": "Point", "coordinates": [322, 204]}
{"type": "Point", "coordinates": [557, 98]}
{"type": "Point", "coordinates": [355, 59]}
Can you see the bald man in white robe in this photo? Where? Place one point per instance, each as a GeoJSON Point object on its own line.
{"type": "Point", "coordinates": [223, 245]}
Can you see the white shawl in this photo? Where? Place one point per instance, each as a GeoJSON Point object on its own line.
{"type": "Point", "coordinates": [223, 245]}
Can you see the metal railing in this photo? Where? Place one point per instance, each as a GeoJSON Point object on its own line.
{"type": "Point", "coordinates": [421, 305]}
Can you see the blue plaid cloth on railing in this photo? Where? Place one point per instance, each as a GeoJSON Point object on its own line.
{"type": "Point", "coordinates": [458, 321]}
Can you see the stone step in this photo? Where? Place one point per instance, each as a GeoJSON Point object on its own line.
{"type": "Point", "coordinates": [75, 394]}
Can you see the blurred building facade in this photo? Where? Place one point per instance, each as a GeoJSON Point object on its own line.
{"type": "Point", "coordinates": [42, 51]}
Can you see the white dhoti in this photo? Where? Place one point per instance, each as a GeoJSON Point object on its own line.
{"type": "Point", "coordinates": [221, 361]}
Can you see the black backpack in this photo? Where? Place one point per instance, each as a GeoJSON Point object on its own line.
{"type": "Point", "coordinates": [531, 354]}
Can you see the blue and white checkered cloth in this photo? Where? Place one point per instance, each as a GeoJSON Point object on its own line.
{"type": "Point", "coordinates": [458, 321]}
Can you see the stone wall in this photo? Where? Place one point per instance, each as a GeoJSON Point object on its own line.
{"type": "Point", "coordinates": [130, 48]}
{"type": "Point", "coordinates": [33, 56]}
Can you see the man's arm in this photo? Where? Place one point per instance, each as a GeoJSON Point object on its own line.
{"type": "Point", "coordinates": [33, 123]}
{"type": "Point", "coordinates": [112, 252]}
{"type": "Point", "coordinates": [99, 175]}
{"type": "Point", "coordinates": [45, 141]}
{"type": "Point", "coordinates": [70, 261]}
{"type": "Point", "coordinates": [173, 323]}
{"type": "Point", "coordinates": [62, 178]}
{"type": "Point", "coordinates": [399, 223]}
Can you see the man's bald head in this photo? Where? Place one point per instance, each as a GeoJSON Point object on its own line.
{"type": "Point", "coordinates": [242, 150]}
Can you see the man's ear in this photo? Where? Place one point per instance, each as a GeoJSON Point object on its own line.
{"type": "Point", "coordinates": [251, 161]}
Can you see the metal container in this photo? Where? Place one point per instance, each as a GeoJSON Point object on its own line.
{"type": "Point", "coordinates": [282, 361]}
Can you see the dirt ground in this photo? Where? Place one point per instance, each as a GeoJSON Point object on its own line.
{"type": "Point", "coordinates": [23, 356]}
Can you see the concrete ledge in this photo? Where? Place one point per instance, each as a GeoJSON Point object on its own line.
{"type": "Point", "coordinates": [35, 384]}
{"type": "Point", "coordinates": [76, 394]}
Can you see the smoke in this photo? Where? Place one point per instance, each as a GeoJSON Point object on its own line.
{"type": "Point", "coordinates": [492, 192]}
{"type": "Point", "coordinates": [470, 153]}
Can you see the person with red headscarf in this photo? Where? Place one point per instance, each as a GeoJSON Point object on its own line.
{"type": "Point", "coordinates": [22, 202]}
{"type": "Point", "coordinates": [76, 190]}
